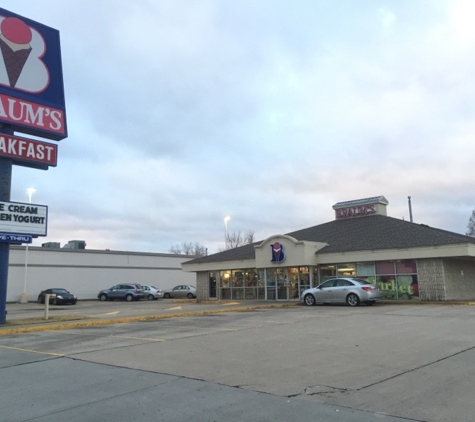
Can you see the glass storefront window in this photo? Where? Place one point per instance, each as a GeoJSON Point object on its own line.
{"type": "Point", "coordinates": [346, 270]}
{"type": "Point", "coordinates": [251, 278]}
{"type": "Point", "coordinates": [270, 278]}
{"type": "Point", "coordinates": [397, 280]}
{"type": "Point", "coordinates": [401, 283]}
{"type": "Point", "coordinates": [365, 269]}
{"type": "Point", "coordinates": [407, 266]}
{"type": "Point", "coordinates": [316, 277]}
{"type": "Point", "coordinates": [326, 272]}
{"type": "Point", "coordinates": [385, 267]}
{"type": "Point", "coordinates": [225, 277]}
{"type": "Point", "coordinates": [304, 278]}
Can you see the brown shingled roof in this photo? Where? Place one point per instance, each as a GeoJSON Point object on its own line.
{"type": "Point", "coordinates": [375, 232]}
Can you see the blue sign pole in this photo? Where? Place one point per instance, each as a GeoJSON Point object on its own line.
{"type": "Point", "coordinates": [5, 191]}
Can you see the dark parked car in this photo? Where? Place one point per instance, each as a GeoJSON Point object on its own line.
{"type": "Point", "coordinates": [63, 297]}
{"type": "Point", "coordinates": [351, 291]}
{"type": "Point", "coordinates": [128, 292]}
{"type": "Point", "coordinates": [183, 291]}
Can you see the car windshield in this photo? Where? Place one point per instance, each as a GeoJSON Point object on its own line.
{"type": "Point", "coordinates": [57, 291]}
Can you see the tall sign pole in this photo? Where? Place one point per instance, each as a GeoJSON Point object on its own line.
{"type": "Point", "coordinates": [5, 189]}
{"type": "Point", "coordinates": [31, 102]}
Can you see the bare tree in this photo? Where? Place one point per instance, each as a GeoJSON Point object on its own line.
{"type": "Point", "coordinates": [189, 248]}
{"type": "Point", "coordinates": [471, 225]}
{"type": "Point", "coordinates": [237, 239]}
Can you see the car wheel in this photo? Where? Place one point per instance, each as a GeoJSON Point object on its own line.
{"type": "Point", "coordinates": [39, 299]}
{"type": "Point", "coordinates": [190, 295]}
{"type": "Point", "coordinates": [55, 301]}
{"type": "Point", "coordinates": [371, 302]}
{"type": "Point", "coordinates": [352, 300]}
{"type": "Point", "coordinates": [103, 297]}
{"type": "Point", "coordinates": [150, 297]}
{"type": "Point", "coordinates": [309, 300]}
{"type": "Point", "coordinates": [167, 296]}
{"type": "Point", "coordinates": [129, 298]}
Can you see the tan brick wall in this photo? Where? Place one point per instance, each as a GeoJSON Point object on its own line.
{"type": "Point", "coordinates": [202, 286]}
{"type": "Point", "coordinates": [459, 279]}
{"type": "Point", "coordinates": [430, 274]}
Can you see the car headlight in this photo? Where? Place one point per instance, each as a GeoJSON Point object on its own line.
{"type": "Point", "coordinates": [59, 297]}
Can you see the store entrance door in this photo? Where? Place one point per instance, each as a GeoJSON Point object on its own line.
{"type": "Point", "coordinates": [282, 283]}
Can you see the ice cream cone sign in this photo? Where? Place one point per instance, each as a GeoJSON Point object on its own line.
{"type": "Point", "coordinates": [31, 77]}
{"type": "Point", "coordinates": [15, 45]}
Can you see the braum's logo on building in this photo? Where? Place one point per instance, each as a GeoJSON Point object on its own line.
{"type": "Point", "coordinates": [278, 254]}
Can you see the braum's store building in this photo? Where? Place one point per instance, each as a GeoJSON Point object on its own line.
{"type": "Point", "coordinates": [408, 261]}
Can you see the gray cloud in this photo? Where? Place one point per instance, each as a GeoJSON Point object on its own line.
{"type": "Point", "coordinates": [182, 112]}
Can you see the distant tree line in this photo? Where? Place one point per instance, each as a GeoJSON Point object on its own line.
{"type": "Point", "coordinates": [189, 248]}
{"type": "Point", "coordinates": [233, 240]}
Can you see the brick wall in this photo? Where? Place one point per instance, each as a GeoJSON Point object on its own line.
{"type": "Point", "coordinates": [459, 279]}
{"type": "Point", "coordinates": [446, 279]}
{"type": "Point", "coordinates": [202, 285]}
{"type": "Point", "coordinates": [430, 275]}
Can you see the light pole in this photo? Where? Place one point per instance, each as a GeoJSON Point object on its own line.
{"type": "Point", "coordinates": [226, 219]}
{"type": "Point", "coordinates": [24, 295]}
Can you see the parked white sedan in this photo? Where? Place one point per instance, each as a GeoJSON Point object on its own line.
{"type": "Point", "coordinates": [184, 290]}
{"type": "Point", "coordinates": [152, 293]}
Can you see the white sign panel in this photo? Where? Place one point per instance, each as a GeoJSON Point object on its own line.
{"type": "Point", "coordinates": [20, 218]}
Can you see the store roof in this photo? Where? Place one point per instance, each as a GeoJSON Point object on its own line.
{"type": "Point", "coordinates": [377, 232]}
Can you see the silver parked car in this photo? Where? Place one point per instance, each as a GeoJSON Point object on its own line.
{"type": "Point", "coordinates": [151, 292]}
{"type": "Point", "coordinates": [184, 290]}
{"type": "Point", "coordinates": [128, 292]}
{"type": "Point", "coordinates": [351, 291]}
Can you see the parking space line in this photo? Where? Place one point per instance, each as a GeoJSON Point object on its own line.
{"type": "Point", "coordinates": [140, 338]}
{"type": "Point", "coordinates": [31, 351]}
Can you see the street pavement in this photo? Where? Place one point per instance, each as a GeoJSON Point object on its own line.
{"type": "Point", "coordinates": [233, 361]}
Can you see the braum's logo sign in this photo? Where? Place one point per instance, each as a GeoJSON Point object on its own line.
{"type": "Point", "coordinates": [31, 80]}
{"type": "Point", "coordinates": [278, 254]}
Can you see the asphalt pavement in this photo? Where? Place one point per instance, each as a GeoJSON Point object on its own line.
{"type": "Point", "coordinates": [32, 316]}
{"type": "Point", "coordinates": [234, 361]}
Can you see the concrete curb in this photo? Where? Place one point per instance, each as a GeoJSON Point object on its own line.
{"type": "Point", "coordinates": [98, 322]}
{"type": "Point", "coordinates": [30, 328]}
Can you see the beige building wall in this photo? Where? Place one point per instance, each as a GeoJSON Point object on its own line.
{"type": "Point", "coordinates": [85, 272]}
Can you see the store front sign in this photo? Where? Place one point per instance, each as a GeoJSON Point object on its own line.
{"type": "Point", "coordinates": [15, 238]}
{"type": "Point", "coordinates": [278, 254]}
{"type": "Point", "coordinates": [21, 218]}
{"type": "Point", "coordinates": [26, 150]}
{"type": "Point", "coordinates": [355, 211]}
{"type": "Point", "coordinates": [31, 77]}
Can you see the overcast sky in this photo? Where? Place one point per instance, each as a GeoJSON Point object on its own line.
{"type": "Point", "coordinates": [181, 112]}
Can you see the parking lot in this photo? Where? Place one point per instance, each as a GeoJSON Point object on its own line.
{"type": "Point", "coordinates": [293, 363]}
